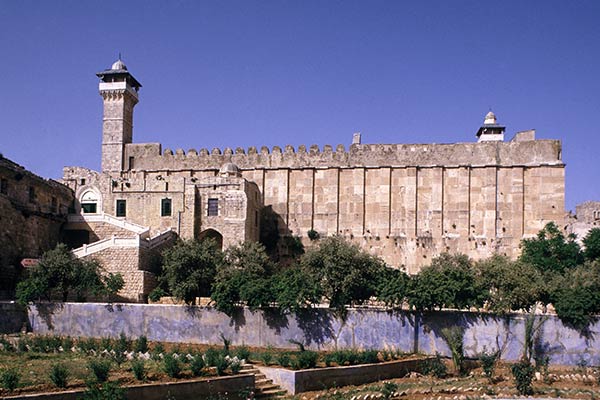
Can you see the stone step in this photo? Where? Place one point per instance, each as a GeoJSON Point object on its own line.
{"type": "Point", "coordinates": [262, 381]}
{"type": "Point", "coordinates": [271, 394]}
{"type": "Point", "coordinates": [267, 387]}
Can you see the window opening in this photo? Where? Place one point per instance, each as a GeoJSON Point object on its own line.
{"type": "Point", "coordinates": [213, 207]}
{"type": "Point", "coordinates": [121, 208]}
{"type": "Point", "coordinates": [165, 208]}
{"type": "Point", "coordinates": [4, 186]}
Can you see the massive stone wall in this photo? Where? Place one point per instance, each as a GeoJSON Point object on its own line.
{"type": "Point", "coordinates": [32, 212]}
{"type": "Point", "coordinates": [318, 328]}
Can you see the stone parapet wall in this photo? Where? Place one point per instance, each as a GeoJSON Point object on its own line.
{"type": "Point", "coordinates": [148, 156]}
{"type": "Point", "coordinates": [319, 329]}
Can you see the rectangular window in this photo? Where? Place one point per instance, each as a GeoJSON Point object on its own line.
{"type": "Point", "coordinates": [213, 207]}
{"type": "Point", "coordinates": [165, 208]}
{"type": "Point", "coordinates": [88, 208]}
{"type": "Point", "coordinates": [31, 194]}
{"type": "Point", "coordinates": [121, 208]}
{"type": "Point", "coordinates": [82, 181]}
{"type": "Point", "coordinates": [3, 186]}
{"type": "Point", "coordinates": [131, 162]}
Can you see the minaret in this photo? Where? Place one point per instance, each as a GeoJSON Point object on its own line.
{"type": "Point", "coordinates": [490, 131]}
{"type": "Point", "coordinates": [119, 90]}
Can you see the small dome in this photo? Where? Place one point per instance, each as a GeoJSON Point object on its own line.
{"type": "Point", "coordinates": [229, 169]}
{"type": "Point", "coordinates": [490, 118]}
{"type": "Point", "coordinates": [118, 65]}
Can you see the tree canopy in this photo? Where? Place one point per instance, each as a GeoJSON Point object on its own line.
{"type": "Point", "coordinates": [60, 274]}
{"type": "Point", "coordinates": [189, 268]}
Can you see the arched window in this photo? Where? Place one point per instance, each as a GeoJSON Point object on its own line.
{"type": "Point", "coordinates": [89, 202]}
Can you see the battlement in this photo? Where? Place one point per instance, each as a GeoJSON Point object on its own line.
{"type": "Point", "coordinates": [149, 156]}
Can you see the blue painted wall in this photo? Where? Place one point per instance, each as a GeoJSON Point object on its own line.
{"type": "Point", "coordinates": [318, 328]}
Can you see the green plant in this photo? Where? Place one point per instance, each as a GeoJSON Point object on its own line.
{"type": "Point", "coordinates": [5, 345]}
{"type": "Point", "coordinates": [171, 366]}
{"type": "Point", "coordinates": [9, 378]}
{"type": "Point", "coordinates": [542, 362]}
{"type": "Point", "coordinates": [21, 345]}
{"type": "Point", "coordinates": [106, 391]}
{"type": "Point", "coordinates": [488, 363]}
{"type": "Point", "coordinates": [243, 353]}
{"type": "Point", "coordinates": [156, 294]}
{"type": "Point", "coordinates": [221, 364]}
{"type": "Point", "coordinates": [157, 351]}
{"type": "Point", "coordinates": [388, 389]}
{"type": "Point", "coordinates": [313, 235]}
{"type": "Point", "coordinates": [197, 365]}
{"type": "Point", "coordinates": [283, 359]}
{"type": "Point", "coordinates": [226, 344]}
{"type": "Point", "coordinates": [67, 343]}
{"type": "Point", "coordinates": [211, 355]}
{"type": "Point", "coordinates": [59, 374]}
{"type": "Point", "coordinates": [454, 337]}
{"type": "Point", "coordinates": [138, 369]}
{"type": "Point", "coordinates": [305, 359]}
{"type": "Point", "coordinates": [523, 372]}
{"type": "Point", "coordinates": [266, 357]}
{"type": "Point", "coordinates": [235, 367]}
{"type": "Point", "coordinates": [99, 369]}
{"type": "Point", "coordinates": [369, 357]}
{"type": "Point", "coordinates": [434, 367]}
{"type": "Point", "coordinates": [189, 268]}
{"type": "Point", "coordinates": [141, 344]}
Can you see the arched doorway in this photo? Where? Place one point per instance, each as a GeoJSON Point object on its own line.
{"type": "Point", "coordinates": [212, 234]}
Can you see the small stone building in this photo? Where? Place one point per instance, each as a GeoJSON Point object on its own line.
{"type": "Point", "coordinates": [406, 203]}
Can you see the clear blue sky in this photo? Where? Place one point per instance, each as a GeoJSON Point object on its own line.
{"type": "Point", "coordinates": [254, 73]}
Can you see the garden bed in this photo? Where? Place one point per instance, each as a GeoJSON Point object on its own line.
{"type": "Point", "coordinates": [321, 378]}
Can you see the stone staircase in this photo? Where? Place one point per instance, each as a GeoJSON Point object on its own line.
{"type": "Point", "coordinates": [264, 388]}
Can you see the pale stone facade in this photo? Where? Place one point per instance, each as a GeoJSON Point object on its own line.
{"type": "Point", "coordinates": [403, 202]}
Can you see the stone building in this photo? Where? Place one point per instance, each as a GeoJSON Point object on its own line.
{"type": "Point", "coordinates": [403, 202]}
{"type": "Point", "coordinates": [586, 217]}
{"type": "Point", "coordinates": [33, 211]}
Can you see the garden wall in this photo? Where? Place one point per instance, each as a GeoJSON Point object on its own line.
{"type": "Point", "coordinates": [318, 328]}
{"type": "Point", "coordinates": [233, 387]}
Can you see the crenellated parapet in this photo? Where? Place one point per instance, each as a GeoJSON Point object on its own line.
{"type": "Point", "coordinates": [521, 153]}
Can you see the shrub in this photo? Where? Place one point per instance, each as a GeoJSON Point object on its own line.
{"type": "Point", "coordinates": [488, 363]}
{"type": "Point", "coordinates": [454, 337]}
{"type": "Point", "coordinates": [5, 345]}
{"type": "Point", "coordinates": [369, 357]}
{"type": "Point", "coordinates": [313, 235]}
{"type": "Point", "coordinates": [67, 343]}
{"type": "Point", "coordinates": [99, 369]}
{"type": "Point", "coordinates": [211, 356]}
{"type": "Point", "coordinates": [523, 372]}
{"type": "Point", "coordinates": [235, 366]}
{"type": "Point", "coordinates": [243, 353]}
{"type": "Point", "coordinates": [108, 391]}
{"type": "Point", "coordinates": [156, 294]}
{"type": "Point", "coordinates": [22, 345]}
{"type": "Point", "coordinates": [157, 351]}
{"type": "Point", "coordinates": [305, 359]}
{"type": "Point", "coordinates": [171, 366]}
{"type": "Point", "coordinates": [221, 364]}
{"type": "Point", "coordinates": [138, 369]}
{"type": "Point", "coordinates": [266, 357]}
{"type": "Point", "coordinates": [9, 378]}
{"type": "Point", "coordinates": [106, 344]}
{"type": "Point", "coordinates": [388, 389]}
{"type": "Point", "coordinates": [141, 344]}
{"type": "Point", "coordinates": [197, 365]}
{"type": "Point", "coordinates": [59, 374]}
{"type": "Point", "coordinates": [434, 367]}
{"type": "Point", "coordinates": [283, 359]}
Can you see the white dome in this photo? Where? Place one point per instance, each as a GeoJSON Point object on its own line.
{"type": "Point", "coordinates": [229, 169]}
{"type": "Point", "coordinates": [118, 65]}
{"type": "Point", "coordinates": [490, 119]}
